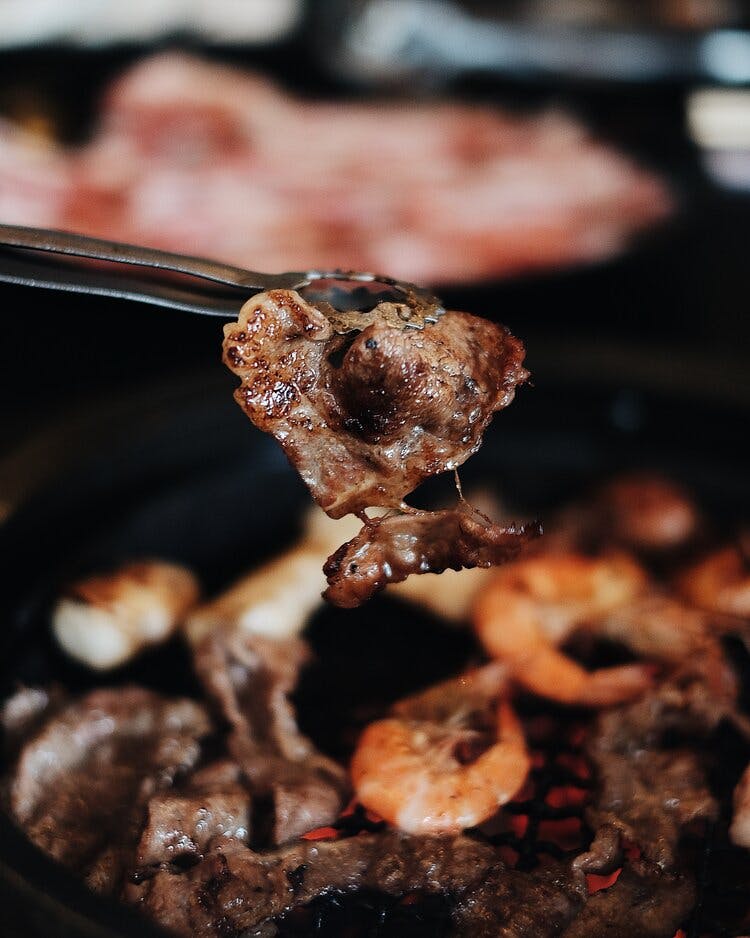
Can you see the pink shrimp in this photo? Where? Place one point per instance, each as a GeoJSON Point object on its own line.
{"type": "Point", "coordinates": [427, 768]}
{"type": "Point", "coordinates": [533, 604]}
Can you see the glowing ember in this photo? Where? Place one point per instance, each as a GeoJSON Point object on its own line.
{"type": "Point", "coordinates": [322, 833]}
{"type": "Point", "coordinates": [596, 883]}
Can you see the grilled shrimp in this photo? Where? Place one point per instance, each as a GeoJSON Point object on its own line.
{"type": "Point", "coordinates": [648, 512]}
{"type": "Point", "coordinates": [639, 512]}
{"type": "Point", "coordinates": [427, 768]}
{"type": "Point", "coordinates": [720, 583]}
{"type": "Point", "coordinates": [682, 638]}
{"type": "Point", "coordinates": [532, 605]}
{"type": "Point", "coordinates": [655, 625]}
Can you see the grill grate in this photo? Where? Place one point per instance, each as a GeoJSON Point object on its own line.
{"type": "Point", "coordinates": [546, 818]}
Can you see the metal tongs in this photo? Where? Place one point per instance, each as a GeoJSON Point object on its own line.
{"type": "Point", "coordinates": [36, 257]}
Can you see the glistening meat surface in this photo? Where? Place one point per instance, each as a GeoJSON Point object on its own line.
{"type": "Point", "coordinates": [81, 784]}
{"type": "Point", "coordinates": [387, 550]}
{"type": "Point", "coordinates": [364, 408]}
{"type": "Point", "coordinates": [237, 891]}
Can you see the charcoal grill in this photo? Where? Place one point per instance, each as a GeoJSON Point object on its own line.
{"type": "Point", "coordinates": [192, 481]}
{"type": "Point", "coordinates": [544, 822]}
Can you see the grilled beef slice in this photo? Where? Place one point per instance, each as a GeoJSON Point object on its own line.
{"type": "Point", "coordinates": [364, 407]}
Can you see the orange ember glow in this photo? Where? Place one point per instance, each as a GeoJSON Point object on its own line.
{"type": "Point", "coordinates": [596, 883]}
{"type": "Point", "coordinates": [322, 833]}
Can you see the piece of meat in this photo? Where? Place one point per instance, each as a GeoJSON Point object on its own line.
{"type": "Point", "coordinates": [186, 823]}
{"type": "Point", "coordinates": [365, 416]}
{"type": "Point", "coordinates": [651, 796]}
{"type": "Point", "coordinates": [242, 890]}
{"type": "Point", "coordinates": [24, 713]}
{"type": "Point", "coordinates": [650, 756]}
{"type": "Point", "coordinates": [250, 678]}
{"type": "Point", "coordinates": [647, 790]}
{"type": "Point", "coordinates": [644, 901]}
{"type": "Point", "coordinates": [81, 784]}
{"type": "Point", "coordinates": [195, 156]}
{"type": "Point", "coordinates": [387, 550]}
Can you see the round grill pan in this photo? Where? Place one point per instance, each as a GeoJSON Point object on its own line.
{"type": "Point", "coordinates": [182, 474]}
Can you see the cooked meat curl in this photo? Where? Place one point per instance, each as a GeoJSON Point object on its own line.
{"type": "Point", "coordinates": [387, 550]}
{"type": "Point", "coordinates": [250, 678]}
{"type": "Point", "coordinates": [365, 408]}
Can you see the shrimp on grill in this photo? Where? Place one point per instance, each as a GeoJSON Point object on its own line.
{"type": "Point", "coordinates": [640, 512]}
{"type": "Point", "coordinates": [534, 604]}
{"type": "Point", "coordinates": [684, 641]}
{"type": "Point", "coordinates": [446, 759]}
{"type": "Point", "coordinates": [720, 583]}
{"type": "Point", "coordinates": [648, 512]}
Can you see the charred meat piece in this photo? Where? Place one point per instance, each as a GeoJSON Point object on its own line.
{"type": "Point", "coordinates": [651, 795]}
{"type": "Point", "coordinates": [364, 407]}
{"type": "Point", "coordinates": [387, 550]}
{"type": "Point", "coordinates": [648, 790]}
{"type": "Point", "coordinates": [81, 784]}
{"type": "Point", "coordinates": [185, 823]}
{"type": "Point", "coordinates": [645, 901]}
{"type": "Point", "coordinates": [250, 678]}
{"type": "Point", "coordinates": [242, 890]}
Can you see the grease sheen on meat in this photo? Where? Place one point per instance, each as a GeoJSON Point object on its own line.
{"type": "Point", "coordinates": [250, 680]}
{"type": "Point", "coordinates": [82, 782]}
{"type": "Point", "coordinates": [237, 891]}
{"type": "Point", "coordinates": [365, 416]}
{"type": "Point", "coordinates": [387, 550]}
